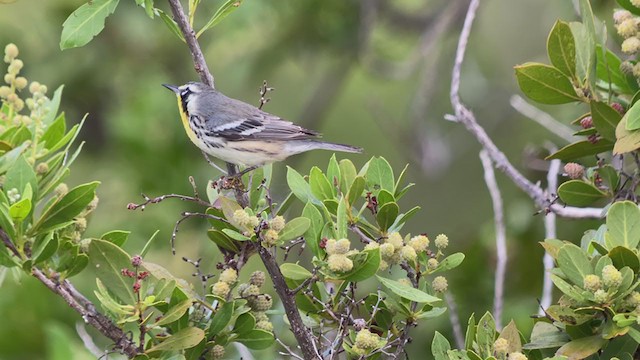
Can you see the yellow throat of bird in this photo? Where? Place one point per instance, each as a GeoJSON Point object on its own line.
{"type": "Point", "coordinates": [185, 122]}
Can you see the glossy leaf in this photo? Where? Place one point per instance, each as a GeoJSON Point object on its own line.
{"type": "Point", "coordinates": [440, 347]}
{"type": "Point", "coordinates": [294, 228]}
{"type": "Point", "coordinates": [53, 105]}
{"type": "Point", "coordinates": [333, 173]}
{"type": "Point", "coordinates": [582, 348]}
{"type": "Point", "coordinates": [356, 190]}
{"type": "Point", "coordinates": [365, 265]}
{"type": "Point", "coordinates": [256, 339]}
{"type": "Point", "coordinates": [628, 5]}
{"type": "Point", "coordinates": [608, 70]}
{"type": "Point", "coordinates": [632, 117]}
{"type": "Point", "coordinates": [117, 237]}
{"type": "Point", "coordinates": [44, 248]}
{"type": "Point", "coordinates": [387, 215]}
{"type": "Point", "coordinates": [244, 323]}
{"type": "Point", "coordinates": [451, 262]}
{"type": "Point", "coordinates": [174, 313]}
{"type": "Point", "coordinates": [545, 84]}
{"type": "Point", "coordinates": [626, 141]}
{"type": "Point", "coordinates": [316, 222]}
{"type": "Point", "coordinates": [585, 50]}
{"type": "Point", "coordinates": [20, 210]}
{"type": "Point", "coordinates": [320, 186]}
{"type": "Point", "coordinates": [300, 187]}
{"type": "Point", "coordinates": [342, 222]}
{"type": "Point", "coordinates": [407, 292]}
{"type": "Point", "coordinates": [19, 175]}
{"type": "Point", "coordinates": [108, 261]}
{"type": "Point", "coordinates": [295, 272]}
{"type": "Point", "coordinates": [574, 263]}
{"type": "Point", "coordinates": [171, 24]}
{"type": "Point", "coordinates": [183, 339]}
{"type": "Point", "coordinates": [55, 132]}
{"type": "Point", "coordinates": [380, 175]}
{"type": "Point", "coordinates": [235, 235]}
{"type": "Point", "coordinates": [221, 318]}
{"type": "Point", "coordinates": [223, 11]}
{"type": "Point", "coordinates": [605, 119]}
{"type": "Point", "coordinates": [222, 240]}
{"type": "Point", "coordinates": [85, 23]}
{"type": "Point", "coordinates": [347, 174]}
{"type": "Point", "coordinates": [581, 149]}
{"type": "Point", "coordinates": [67, 207]}
{"type": "Point", "coordinates": [579, 193]}
{"type": "Point", "coordinates": [623, 225]}
{"type": "Point", "coordinates": [561, 49]}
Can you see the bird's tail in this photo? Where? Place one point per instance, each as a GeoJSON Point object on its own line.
{"type": "Point", "coordinates": [337, 147]}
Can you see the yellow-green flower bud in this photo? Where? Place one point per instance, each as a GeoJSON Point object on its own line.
{"type": "Point", "coordinates": [217, 352]}
{"type": "Point", "coordinates": [10, 52]}
{"type": "Point", "coordinates": [626, 67]}
{"type": "Point", "coordinates": [18, 104]}
{"type": "Point", "coordinates": [396, 240]}
{"type": "Point", "coordinates": [277, 223]}
{"type": "Point", "coordinates": [4, 91]}
{"type": "Point", "coordinates": [84, 245]}
{"type": "Point", "coordinates": [372, 245]}
{"type": "Point", "coordinates": [42, 168]}
{"type": "Point", "coordinates": [383, 265]}
{"type": "Point", "coordinates": [405, 282]}
{"type": "Point", "coordinates": [635, 3]}
{"type": "Point", "coordinates": [408, 253]}
{"type": "Point", "coordinates": [633, 300]}
{"type": "Point", "coordinates": [61, 189]}
{"type": "Point", "coordinates": [387, 250]}
{"type": "Point", "coordinates": [270, 238]}
{"type": "Point", "coordinates": [93, 204]}
{"type": "Point", "coordinates": [630, 45]}
{"type": "Point", "coordinates": [20, 83]}
{"type": "Point", "coordinates": [420, 243]}
{"type": "Point", "coordinates": [600, 296]}
{"type": "Point", "coordinates": [229, 275]}
{"type": "Point", "coordinates": [34, 87]}
{"type": "Point", "coordinates": [264, 325]}
{"type": "Point", "coordinates": [611, 277]}
{"type": "Point", "coordinates": [262, 302]}
{"type": "Point", "coordinates": [517, 356]}
{"type": "Point", "coordinates": [15, 66]}
{"type": "Point", "coordinates": [338, 247]}
{"type": "Point", "coordinates": [42, 89]}
{"type": "Point", "coordinates": [250, 291]}
{"type": "Point", "coordinates": [339, 263]}
{"type": "Point", "coordinates": [260, 316]}
{"type": "Point", "coordinates": [12, 98]}
{"type": "Point", "coordinates": [592, 283]}
{"type": "Point", "coordinates": [257, 278]}
{"type": "Point", "coordinates": [621, 15]}
{"type": "Point", "coordinates": [439, 284]}
{"type": "Point", "coordinates": [365, 339]}
{"type": "Point", "coordinates": [432, 264]}
{"type": "Point", "coordinates": [501, 346]}
{"type": "Point", "coordinates": [627, 28]}
{"type": "Point", "coordinates": [358, 350]}
{"type": "Point", "coordinates": [81, 224]}
{"type": "Point", "coordinates": [9, 78]}
{"type": "Point", "coordinates": [221, 289]}
{"type": "Point", "coordinates": [441, 241]}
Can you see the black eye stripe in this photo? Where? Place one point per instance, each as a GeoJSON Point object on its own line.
{"type": "Point", "coordinates": [184, 95]}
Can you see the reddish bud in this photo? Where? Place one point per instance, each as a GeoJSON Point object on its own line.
{"type": "Point", "coordinates": [586, 122]}
{"type": "Point", "coordinates": [618, 107]}
{"type": "Point", "coordinates": [132, 206]}
{"type": "Point", "coordinates": [143, 275]}
{"type": "Point", "coordinates": [593, 138]}
{"type": "Point", "coordinates": [136, 287]}
{"type": "Point", "coordinates": [136, 261]}
{"type": "Point", "coordinates": [323, 242]}
{"type": "Point", "coordinates": [127, 273]}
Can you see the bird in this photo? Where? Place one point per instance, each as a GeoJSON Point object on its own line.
{"type": "Point", "coordinates": [240, 133]}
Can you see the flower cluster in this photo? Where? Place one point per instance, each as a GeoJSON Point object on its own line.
{"type": "Point", "coordinates": [338, 252]}
{"type": "Point", "coordinates": [227, 278]}
{"type": "Point", "coordinates": [365, 342]}
{"type": "Point", "coordinates": [258, 301]}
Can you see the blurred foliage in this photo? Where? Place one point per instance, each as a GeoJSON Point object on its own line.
{"type": "Point", "coordinates": [135, 142]}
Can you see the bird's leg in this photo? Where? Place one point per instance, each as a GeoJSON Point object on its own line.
{"type": "Point", "coordinates": [234, 181]}
{"type": "Point", "coordinates": [206, 157]}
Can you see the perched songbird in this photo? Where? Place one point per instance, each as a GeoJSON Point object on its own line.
{"type": "Point", "coordinates": [239, 133]}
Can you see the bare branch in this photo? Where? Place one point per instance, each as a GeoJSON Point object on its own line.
{"type": "Point", "coordinates": [549, 233]}
{"type": "Point", "coordinates": [464, 116]}
{"type": "Point", "coordinates": [501, 241]}
{"type": "Point", "coordinates": [455, 320]}
{"type": "Point", "coordinates": [544, 119]}
{"type": "Point", "coordinates": [87, 340]}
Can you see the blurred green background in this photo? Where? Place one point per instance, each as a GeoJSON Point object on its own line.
{"type": "Point", "coordinates": [374, 74]}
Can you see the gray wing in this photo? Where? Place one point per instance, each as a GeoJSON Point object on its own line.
{"type": "Point", "coordinates": [237, 120]}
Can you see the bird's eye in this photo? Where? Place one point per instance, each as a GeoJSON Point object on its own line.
{"type": "Point", "coordinates": [185, 92]}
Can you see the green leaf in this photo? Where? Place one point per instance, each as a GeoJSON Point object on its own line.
{"type": "Point", "coordinates": [561, 48]}
{"type": "Point", "coordinates": [627, 141]}
{"type": "Point", "coordinates": [582, 348]}
{"type": "Point", "coordinates": [451, 262]}
{"type": "Point", "coordinates": [117, 237]}
{"type": "Point", "coordinates": [608, 69]}
{"type": "Point", "coordinates": [545, 84]}
{"type": "Point", "coordinates": [333, 173]}
{"type": "Point", "coordinates": [632, 117]}
{"type": "Point", "coordinates": [567, 289]}
{"type": "Point", "coordinates": [365, 265]}
{"type": "Point", "coordinates": [316, 223]}
{"type": "Point", "coordinates": [6, 222]}
{"type": "Point", "coordinates": [320, 186]}
{"type": "Point", "coordinates": [347, 174]}
{"type": "Point", "coordinates": [440, 347]}
{"type": "Point", "coordinates": [183, 339]}
{"type": "Point", "coordinates": [55, 132]}
{"type": "Point", "coordinates": [486, 334]}
{"type": "Point", "coordinates": [44, 247]}
{"type": "Point", "coordinates": [579, 193]}
{"type": "Point", "coordinates": [300, 187]}
{"type": "Point", "coordinates": [356, 190]}
{"type": "Point", "coordinates": [171, 24]}
{"type": "Point", "coordinates": [67, 207]}
{"type": "Point", "coordinates": [512, 335]}
{"type": "Point", "coordinates": [222, 240]}
{"type": "Point", "coordinates": [295, 272]}
{"type": "Point", "coordinates": [385, 197]}
{"type": "Point", "coordinates": [342, 219]}
{"type": "Point", "coordinates": [174, 313]}
{"type": "Point", "coordinates": [294, 228]}
{"type": "Point", "coordinates": [229, 207]}
{"type": "Point", "coordinates": [20, 210]}
{"type": "Point", "coordinates": [387, 215]}
{"type": "Point", "coordinates": [627, 5]}
{"type": "Point", "coordinates": [605, 119]}
{"type": "Point", "coordinates": [244, 323]}
{"type": "Point", "coordinates": [235, 235]}
{"type": "Point", "coordinates": [403, 218]}
{"type": "Point", "coordinates": [223, 11]}
{"type": "Point", "coordinates": [545, 336]}
{"type": "Point", "coordinates": [623, 225]}
{"type": "Point", "coordinates": [470, 335]}
{"type": "Point", "coordinates": [256, 339]}
{"type": "Point", "coordinates": [19, 175]}
{"type": "Point", "coordinates": [108, 261]}
{"type": "Point", "coordinates": [80, 262]}
{"type": "Point", "coordinates": [221, 318]}
{"type": "Point", "coordinates": [580, 149]}
{"type": "Point", "coordinates": [380, 175]}
{"type": "Point", "coordinates": [53, 105]}
{"type": "Point", "coordinates": [610, 177]}
{"type": "Point", "coordinates": [574, 263]}
{"type": "Point", "coordinates": [407, 292]}
{"type": "Point", "coordinates": [585, 50]}
{"type": "Point", "coordinates": [9, 158]}
{"type": "Point", "coordinates": [85, 23]}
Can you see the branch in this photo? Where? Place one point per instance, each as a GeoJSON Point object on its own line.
{"type": "Point", "coordinates": [304, 337]}
{"type": "Point", "coordinates": [455, 320]}
{"type": "Point", "coordinates": [549, 233]}
{"type": "Point", "coordinates": [501, 242]}
{"type": "Point", "coordinates": [463, 115]}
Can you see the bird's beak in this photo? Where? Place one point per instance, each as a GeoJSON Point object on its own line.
{"type": "Point", "coordinates": [173, 88]}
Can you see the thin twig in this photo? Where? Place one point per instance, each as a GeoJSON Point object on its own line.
{"type": "Point", "coordinates": [501, 242]}
{"type": "Point", "coordinates": [542, 118]}
{"type": "Point", "coordinates": [464, 116]}
{"type": "Point", "coordinates": [455, 320]}
{"type": "Point", "coordinates": [549, 233]}
{"type": "Point", "coordinates": [148, 200]}
{"type": "Point", "coordinates": [87, 340]}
